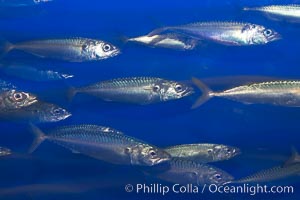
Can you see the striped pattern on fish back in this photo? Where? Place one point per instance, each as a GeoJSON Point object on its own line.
{"type": "Point", "coordinates": [264, 86]}
{"type": "Point", "coordinates": [272, 174]}
{"type": "Point", "coordinates": [68, 41]}
{"type": "Point", "coordinates": [216, 24]}
{"type": "Point", "coordinates": [290, 7]}
{"type": "Point", "coordinates": [93, 134]}
{"type": "Point", "coordinates": [127, 82]}
{"type": "Point", "coordinates": [276, 85]}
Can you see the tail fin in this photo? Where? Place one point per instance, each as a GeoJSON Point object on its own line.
{"type": "Point", "coordinates": [39, 138]}
{"type": "Point", "coordinates": [71, 93]}
{"type": "Point", "coordinates": [206, 93]}
{"type": "Point", "coordinates": [5, 47]}
{"type": "Point", "coordinates": [295, 158]}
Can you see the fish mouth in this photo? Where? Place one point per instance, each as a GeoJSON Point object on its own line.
{"type": "Point", "coordinates": [274, 37]}
{"type": "Point", "coordinates": [188, 92]}
{"type": "Point", "coordinates": [67, 115]}
{"type": "Point", "coordinates": [64, 116]}
{"type": "Point", "coordinates": [32, 100]}
{"type": "Point", "coordinates": [115, 52]}
{"type": "Point", "coordinates": [162, 160]}
{"type": "Point", "coordinates": [166, 158]}
{"type": "Point", "coordinates": [237, 152]}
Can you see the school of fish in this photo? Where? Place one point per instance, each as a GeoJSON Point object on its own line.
{"type": "Point", "coordinates": [182, 163]}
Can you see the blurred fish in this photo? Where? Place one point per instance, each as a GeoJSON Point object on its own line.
{"type": "Point", "coordinates": [72, 50]}
{"type": "Point", "coordinates": [12, 100]}
{"type": "Point", "coordinates": [226, 33]}
{"type": "Point", "coordinates": [38, 112]}
{"type": "Point", "coordinates": [31, 73]}
{"type": "Point", "coordinates": [170, 41]}
{"type": "Point", "coordinates": [280, 93]}
{"type": "Point", "coordinates": [183, 171]}
{"type": "Point", "coordinates": [21, 3]}
{"type": "Point", "coordinates": [103, 143]}
{"type": "Point", "coordinates": [4, 151]}
{"type": "Point", "coordinates": [5, 86]}
{"type": "Point", "coordinates": [236, 80]}
{"type": "Point", "coordinates": [290, 12]}
{"type": "Point", "coordinates": [136, 90]}
{"type": "Point", "coordinates": [203, 153]}
{"type": "Point", "coordinates": [289, 169]}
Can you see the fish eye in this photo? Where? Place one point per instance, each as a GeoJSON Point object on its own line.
{"type": "Point", "coordinates": [267, 32]}
{"type": "Point", "coordinates": [209, 151]}
{"type": "Point", "coordinates": [58, 111]}
{"type": "Point", "coordinates": [127, 150]}
{"type": "Point", "coordinates": [156, 88]}
{"type": "Point", "coordinates": [228, 150]}
{"type": "Point", "coordinates": [218, 176]}
{"type": "Point", "coordinates": [107, 47]}
{"type": "Point", "coordinates": [18, 96]}
{"type": "Point", "coordinates": [152, 153]}
{"type": "Point", "coordinates": [178, 88]}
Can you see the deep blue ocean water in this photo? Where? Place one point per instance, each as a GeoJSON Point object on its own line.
{"type": "Point", "coordinates": [264, 133]}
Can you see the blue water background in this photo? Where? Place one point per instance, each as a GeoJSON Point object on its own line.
{"type": "Point", "coordinates": [264, 133]}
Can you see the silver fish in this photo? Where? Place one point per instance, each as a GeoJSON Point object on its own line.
{"type": "Point", "coordinates": [72, 50]}
{"type": "Point", "coordinates": [183, 171]}
{"type": "Point", "coordinates": [4, 151]}
{"type": "Point", "coordinates": [12, 100]}
{"type": "Point", "coordinates": [104, 144]}
{"type": "Point", "coordinates": [290, 12]}
{"type": "Point", "coordinates": [280, 93]}
{"type": "Point", "coordinates": [203, 153]}
{"type": "Point", "coordinates": [39, 112]}
{"type": "Point", "coordinates": [21, 3]}
{"type": "Point", "coordinates": [170, 41]}
{"type": "Point", "coordinates": [27, 72]}
{"type": "Point", "coordinates": [289, 169]}
{"type": "Point", "coordinates": [136, 90]}
{"type": "Point", "coordinates": [226, 33]}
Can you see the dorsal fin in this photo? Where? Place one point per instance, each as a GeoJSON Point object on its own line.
{"type": "Point", "coordinates": [295, 158]}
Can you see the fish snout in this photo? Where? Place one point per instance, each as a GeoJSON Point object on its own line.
{"type": "Point", "coordinates": [275, 36]}
{"type": "Point", "coordinates": [164, 157]}
{"type": "Point", "coordinates": [189, 91]}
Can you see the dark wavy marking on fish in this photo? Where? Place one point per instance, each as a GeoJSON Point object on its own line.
{"type": "Point", "coordinates": [170, 41]}
{"type": "Point", "coordinates": [289, 169]}
{"type": "Point", "coordinates": [183, 171]}
{"type": "Point", "coordinates": [226, 33]}
{"type": "Point", "coordinates": [203, 153]}
{"type": "Point", "coordinates": [31, 73]}
{"type": "Point", "coordinates": [280, 93]}
{"type": "Point", "coordinates": [289, 12]}
{"type": "Point", "coordinates": [103, 143]}
{"type": "Point", "coordinates": [136, 90]}
{"type": "Point", "coordinates": [72, 50]}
